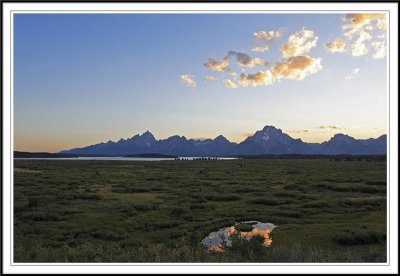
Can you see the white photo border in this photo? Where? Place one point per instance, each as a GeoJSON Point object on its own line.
{"type": "Point", "coordinates": [106, 268]}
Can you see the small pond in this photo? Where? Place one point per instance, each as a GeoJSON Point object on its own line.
{"type": "Point", "coordinates": [246, 229]}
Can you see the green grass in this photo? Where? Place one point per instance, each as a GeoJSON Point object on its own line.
{"type": "Point", "coordinates": [116, 211]}
{"type": "Point", "coordinates": [356, 236]}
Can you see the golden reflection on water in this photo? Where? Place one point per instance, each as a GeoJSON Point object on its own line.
{"type": "Point", "coordinates": [216, 248]}
{"type": "Point", "coordinates": [214, 241]}
{"type": "Point", "coordinates": [230, 230]}
{"type": "Point", "coordinates": [265, 234]}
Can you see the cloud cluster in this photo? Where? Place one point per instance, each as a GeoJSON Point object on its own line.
{"type": "Point", "coordinates": [364, 32]}
{"type": "Point", "coordinates": [354, 73]}
{"type": "Point", "coordinates": [218, 66]}
{"type": "Point", "coordinates": [336, 46]}
{"type": "Point", "coordinates": [243, 60]}
{"type": "Point", "coordinates": [263, 40]}
{"type": "Point", "coordinates": [230, 84]}
{"type": "Point", "coordinates": [299, 43]}
{"type": "Point", "coordinates": [188, 80]}
{"type": "Point", "coordinates": [296, 68]}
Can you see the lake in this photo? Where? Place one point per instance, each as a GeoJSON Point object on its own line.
{"type": "Point", "coordinates": [124, 158]}
{"type": "Point", "coordinates": [246, 229]}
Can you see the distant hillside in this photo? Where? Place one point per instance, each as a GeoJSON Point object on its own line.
{"type": "Point", "coordinates": [23, 154]}
{"type": "Point", "coordinates": [269, 140]}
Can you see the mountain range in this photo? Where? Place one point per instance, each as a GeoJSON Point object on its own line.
{"type": "Point", "coordinates": [269, 140]}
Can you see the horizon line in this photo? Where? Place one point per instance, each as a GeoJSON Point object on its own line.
{"type": "Point", "coordinates": [203, 138]}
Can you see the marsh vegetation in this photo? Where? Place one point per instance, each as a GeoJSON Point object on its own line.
{"type": "Point", "coordinates": [116, 211]}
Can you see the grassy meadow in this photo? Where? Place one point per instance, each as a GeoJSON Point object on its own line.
{"type": "Point", "coordinates": [326, 210]}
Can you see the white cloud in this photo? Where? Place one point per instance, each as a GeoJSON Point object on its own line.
{"type": "Point", "coordinates": [380, 48]}
{"type": "Point", "coordinates": [263, 40]}
{"type": "Point", "coordinates": [354, 73]}
{"type": "Point", "coordinates": [260, 48]}
{"type": "Point", "coordinates": [188, 80]}
{"type": "Point", "coordinates": [299, 43]}
{"type": "Point", "coordinates": [233, 75]}
{"type": "Point", "coordinates": [359, 47]}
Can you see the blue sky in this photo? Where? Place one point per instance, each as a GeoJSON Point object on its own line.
{"type": "Point", "coordinates": [87, 78]}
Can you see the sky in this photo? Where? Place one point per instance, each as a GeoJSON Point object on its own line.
{"type": "Point", "coordinates": [82, 79]}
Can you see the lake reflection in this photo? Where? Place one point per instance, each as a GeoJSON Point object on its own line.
{"type": "Point", "coordinates": [214, 241]}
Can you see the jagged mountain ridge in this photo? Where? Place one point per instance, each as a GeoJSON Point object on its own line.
{"type": "Point", "coordinates": [269, 140]}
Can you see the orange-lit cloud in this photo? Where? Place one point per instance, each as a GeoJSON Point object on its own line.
{"type": "Point", "coordinates": [296, 68]}
{"type": "Point", "coordinates": [361, 20]}
{"type": "Point", "coordinates": [299, 131]}
{"type": "Point", "coordinates": [336, 46]}
{"type": "Point", "coordinates": [242, 59]}
{"type": "Point", "coordinates": [218, 66]}
{"type": "Point", "coordinates": [263, 40]}
{"type": "Point", "coordinates": [299, 43]}
{"type": "Point", "coordinates": [230, 84]}
{"type": "Point", "coordinates": [209, 78]}
{"type": "Point", "coordinates": [331, 127]}
{"type": "Point", "coordinates": [188, 80]}
{"type": "Point", "coordinates": [259, 78]}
